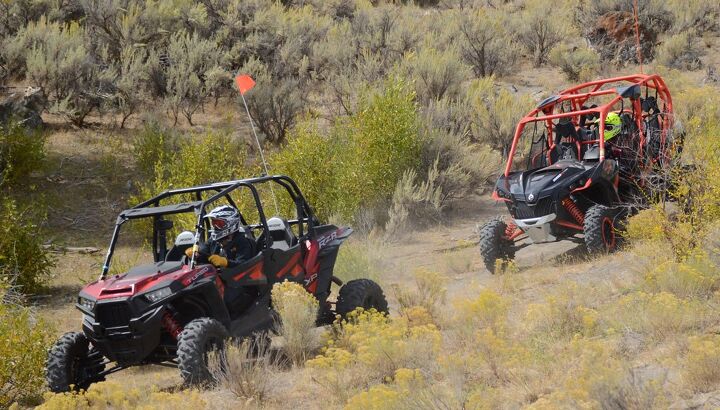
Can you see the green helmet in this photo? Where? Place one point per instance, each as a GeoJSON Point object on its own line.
{"type": "Point", "coordinates": [613, 124]}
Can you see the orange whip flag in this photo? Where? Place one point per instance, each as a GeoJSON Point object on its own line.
{"type": "Point", "coordinates": [244, 83]}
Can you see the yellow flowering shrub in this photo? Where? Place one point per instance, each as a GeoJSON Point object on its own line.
{"type": "Point", "coordinates": [487, 310]}
{"type": "Point", "coordinates": [653, 226]}
{"type": "Point", "coordinates": [490, 353]}
{"type": "Point", "coordinates": [24, 340]}
{"type": "Point", "coordinates": [429, 294]}
{"type": "Point", "coordinates": [594, 376]}
{"type": "Point", "coordinates": [563, 315]}
{"type": "Point", "coordinates": [657, 315]}
{"type": "Point", "coordinates": [372, 347]}
{"type": "Point", "coordinates": [112, 395]}
{"type": "Point", "coordinates": [702, 363]}
{"type": "Point", "coordinates": [396, 394]}
{"type": "Point", "coordinates": [297, 310]}
{"type": "Point", "coordinates": [696, 276]}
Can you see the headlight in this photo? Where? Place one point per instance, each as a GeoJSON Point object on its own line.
{"type": "Point", "coordinates": [86, 303]}
{"type": "Point", "coordinates": [156, 295]}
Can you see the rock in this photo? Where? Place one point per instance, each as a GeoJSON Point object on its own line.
{"type": "Point", "coordinates": [613, 36]}
{"type": "Point", "coordinates": [24, 107]}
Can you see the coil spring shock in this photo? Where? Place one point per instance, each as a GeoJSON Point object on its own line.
{"type": "Point", "coordinates": [171, 325]}
{"type": "Point", "coordinates": [573, 210]}
{"type": "Point", "coordinates": [510, 229]}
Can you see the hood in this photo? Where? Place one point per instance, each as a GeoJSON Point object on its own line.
{"type": "Point", "coordinates": [133, 281]}
{"type": "Point", "coordinates": [531, 186]}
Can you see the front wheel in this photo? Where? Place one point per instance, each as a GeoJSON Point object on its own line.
{"type": "Point", "coordinates": [602, 229]}
{"type": "Point", "coordinates": [195, 342]}
{"type": "Point", "coordinates": [494, 244]}
{"type": "Point", "coordinates": [72, 364]}
{"type": "Point", "coordinates": [362, 293]}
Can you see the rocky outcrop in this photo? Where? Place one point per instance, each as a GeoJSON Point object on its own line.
{"type": "Point", "coordinates": [23, 107]}
{"type": "Point", "coordinates": [613, 35]}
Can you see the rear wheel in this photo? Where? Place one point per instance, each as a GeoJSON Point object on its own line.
{"type": "Point", "coordinates": [72, 364]}
{"type": "Point", "coordinates": [602, 229]}
{"type": "Point", "coordinates": [195, 342]}
{"type": "Point", "coordinates": [362, 293]}
{"type": "Point", "coordinates": [494, 244]}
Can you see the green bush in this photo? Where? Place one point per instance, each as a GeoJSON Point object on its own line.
{"type": "Point", "coordinates": [495, 113]}
{"type": "Point", "coordinates": [150, 145]}
{"type": "Point", "coordinates": [358, 260]}
{"type": "Point", "coordinates": [486, 44]}
{"type": "Point", "coordinates": [578, 63]}
{"type": "Point", "coordinates": [24, 263]}
{"type": "Point", "coordinates": [697, 15]}
{"type": "Point", "coordinates": [539, 30]}
{"type": "Point", "coordinates": [56, 57]}
{"type": "Point", "coordinates": [24, 340]}
{"type": "Point", "coordinates": [436, 74]}
{"type": "Point", "coordinates": [21, 152]}
{"type": "Point", "coordinates": [681, 51]}
{"type": "Point", "coordinates": [191, 60]}
{"type": "Point", "coordinates": [361, 160]}
{"type": "Point", "coordinates": [130, 90]}
{"type": "Point", "coordinates": [380, 142]}
{"type": "Point", "coordinates": [199, 159]}
{"type": "Point", "coordinates": [274, 103]}
{"type": "Point", "coordinates": [311, 159]}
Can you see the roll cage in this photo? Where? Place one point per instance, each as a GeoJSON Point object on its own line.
{"type": "Point", "coordinates": [616, 89]}
{"type": "Point", "coordinates": [152, 208]}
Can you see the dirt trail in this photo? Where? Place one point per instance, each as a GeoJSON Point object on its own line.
{"type": "Point", "coordinates": [451, 249]}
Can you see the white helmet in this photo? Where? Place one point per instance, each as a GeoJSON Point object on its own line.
{"type": "Point", "coordinates": [185, 238]}
{"type": "Point", "coordinates": [224, 221]}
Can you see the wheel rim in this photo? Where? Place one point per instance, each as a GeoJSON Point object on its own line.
{"type": "Point", "coordinates": [608, 233]}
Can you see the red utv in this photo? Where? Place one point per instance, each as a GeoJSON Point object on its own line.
{"type": "Point", "coordinates": [574, 183]}
{"type": "Point", "coordinates": [173, 311]}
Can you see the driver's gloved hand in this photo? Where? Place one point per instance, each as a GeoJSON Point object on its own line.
{"type": "Point", "coordinates": [218, 261]}
{"type": "Point", "coordinates": [189, 251]}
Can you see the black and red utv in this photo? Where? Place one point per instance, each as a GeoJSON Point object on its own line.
{"type": "Point", "coordinates": [575, 182]}
{"type": "Point", "coordinates": [174, 310]}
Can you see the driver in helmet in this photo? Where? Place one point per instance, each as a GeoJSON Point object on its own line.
{"type": "Point", "coordinates": [616, 143]}
{"type": "Point", "coordinates": [613, 125]}
{"type": "Point", "coordinates": [228, 246]}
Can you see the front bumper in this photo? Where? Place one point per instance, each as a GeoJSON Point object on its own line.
{"type": "Point", "coordinates": [129, 343]}
{"type": "Point", "coordinates": [538, 229]}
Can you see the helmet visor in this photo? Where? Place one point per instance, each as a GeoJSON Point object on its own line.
{"type": "Point", "coordinates": [217, 223]}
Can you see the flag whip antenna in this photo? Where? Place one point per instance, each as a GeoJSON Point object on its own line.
{"type": "Point", "coordinates": [244, 84]}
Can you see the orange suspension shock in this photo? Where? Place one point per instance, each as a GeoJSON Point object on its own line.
{"type": "Point", "coordinates": [171, 325]}
{"type": "Point", "coordinates": [573, 210]}
{"type": "Point", "coordinates": [510, 229]}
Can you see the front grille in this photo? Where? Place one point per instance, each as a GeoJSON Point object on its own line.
{"type": "Point", "coordinates": [113, 314]}
{"type": "Point", "coordinates": [543, 207]}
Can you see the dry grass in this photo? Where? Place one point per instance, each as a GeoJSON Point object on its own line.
{"type": "Point", "coordinates": [702, 363]}
{"type": "Point", "coordinates": [246, 368]}
{"type": "Point", "coordinates": [429, 293]}
{"type": "Point", "coordinates": [297, 311]}
{"type": "Point", "coordinates": [461, 261]}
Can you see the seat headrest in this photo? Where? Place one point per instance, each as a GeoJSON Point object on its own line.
{"type": "Point", "coordinates": [185, 238]}
{"type": "Point", "coordinates": [277, 224]}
